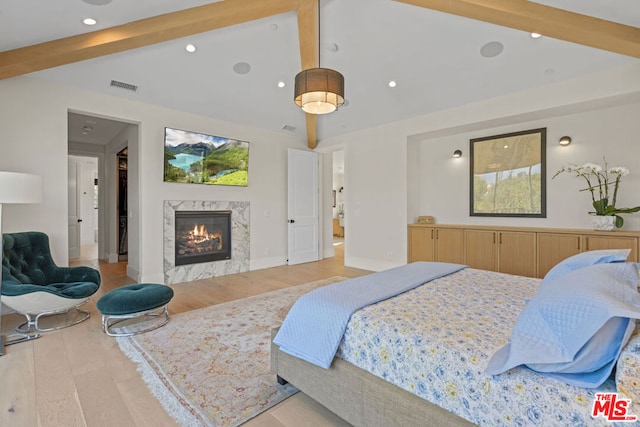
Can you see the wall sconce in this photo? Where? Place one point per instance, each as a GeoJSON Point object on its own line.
{"type": "Point", "coordinates": [565, 140]}
{"type": "Point", "coordinates": [457, 154]}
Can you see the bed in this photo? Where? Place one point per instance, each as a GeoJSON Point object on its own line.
{"type": "Point", "coordinates": [419, 358]}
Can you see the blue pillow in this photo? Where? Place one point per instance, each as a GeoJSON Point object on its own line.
{"type": "Point", "coordinates": [585, 259]}
{"type": "Point", "coordinates": [574, 329]}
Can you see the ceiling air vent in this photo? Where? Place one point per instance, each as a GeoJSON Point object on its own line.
{"type": "Point", "coordinates": [288, 128]}
{"type": "Point", "coordinates": [123, 85]}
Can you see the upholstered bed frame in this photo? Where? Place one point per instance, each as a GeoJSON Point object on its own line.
{"type": "Point", "coordinates": [358, 397]}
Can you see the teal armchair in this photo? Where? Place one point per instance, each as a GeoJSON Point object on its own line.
{"type": "Point", "coordinates": [34, 286]}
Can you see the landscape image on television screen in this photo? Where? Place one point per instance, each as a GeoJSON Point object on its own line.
{"type": "Point", "coordinates": [204, 159]}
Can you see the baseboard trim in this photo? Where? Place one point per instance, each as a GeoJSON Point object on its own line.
{"type": "Point", "coordinates": [259, 264]}
{"type": "Point", "coordinates": [133, 273]}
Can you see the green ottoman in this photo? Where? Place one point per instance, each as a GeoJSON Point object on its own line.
{"type": "Point", "coordinates": [146, 300]}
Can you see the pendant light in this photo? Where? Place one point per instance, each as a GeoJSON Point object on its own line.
{"type": "Point", "coordinates": [319, 90]}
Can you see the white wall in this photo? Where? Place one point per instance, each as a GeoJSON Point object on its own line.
{"type": "Point", "coordinates": [384, 195]}
{"type": "Point", "coordinates": [375, 206]}
{"type": "Point", "coordinates": [33, 119]}
{"type": "Point", "coordinates": [377, 162]}
{"type": "Point", "coordinates": [611, 132]}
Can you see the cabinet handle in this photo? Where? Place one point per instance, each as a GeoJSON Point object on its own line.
{"type": "Point", "coordinates": [494, 238]}
{"type": "Point", "coordinates": [431, 234]}
{"type": "Point", "coordinates": [500, 237]}
{"type": "Point", "coordinates": [437, 234]}
{"type": "Point", "coordinates": [578, 243]}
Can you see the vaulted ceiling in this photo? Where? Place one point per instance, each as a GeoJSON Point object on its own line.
{"type": "Point", "coordinates": [441, 53]}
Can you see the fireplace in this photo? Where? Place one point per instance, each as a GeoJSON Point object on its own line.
{"type": "Point", "coordinates": [202, 236]}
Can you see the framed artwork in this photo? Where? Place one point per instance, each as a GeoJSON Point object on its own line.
{"type": "Point", "coordinates": [198, 158]}
{"type": "Point", "coordinates": [508, 175]}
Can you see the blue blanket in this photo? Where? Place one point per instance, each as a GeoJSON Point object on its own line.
{"type": "Point", "coordinates": [314, 326]}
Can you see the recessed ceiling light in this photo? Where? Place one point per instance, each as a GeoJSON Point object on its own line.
{"type": "Point", "coordinates": [491, 49]}
{"type": "Point", "coordinates": [536, 35]}
{"type": "Point", "coordinates": [89, 21]}
{"type": "Point", "coordinates": [190, 48]}
{"type": "Point", "coordinates": [393, 83]}
{"type": "Point", "coordinates": [242, 68]}
{"type": "Point", "coordinates": [97, 2]}
{"type": "Point", "coordinates": [281, 84]}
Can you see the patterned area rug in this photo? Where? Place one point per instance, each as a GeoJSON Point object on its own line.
{"type": "Point", "coordinates": [211, 367]}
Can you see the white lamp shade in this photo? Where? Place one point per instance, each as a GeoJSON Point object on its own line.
{"type": "Point", "coordinates": [18, 187]}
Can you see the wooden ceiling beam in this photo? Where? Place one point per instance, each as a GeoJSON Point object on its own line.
{"type": "Point", "coordinates": [308, 33]}
{"type": "Point", "coordinates": [549, 21]}
{"type": "Point", "coordinates": [518, 14]}
{"type": "Point", "coordinates": [137, 34]}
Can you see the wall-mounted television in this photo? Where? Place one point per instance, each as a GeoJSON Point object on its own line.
{"type": "Point", "coordinates": [198, 158]}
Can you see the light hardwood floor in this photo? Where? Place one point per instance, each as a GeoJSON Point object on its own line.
{"type": "Point", "coordinates": [79, 377]}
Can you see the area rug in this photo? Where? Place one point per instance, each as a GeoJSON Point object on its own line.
{"type": "Point", "coordinates": [211, 367]}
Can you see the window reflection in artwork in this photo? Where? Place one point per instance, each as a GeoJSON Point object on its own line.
{"type": "Point", "coordinates": [508, 175]}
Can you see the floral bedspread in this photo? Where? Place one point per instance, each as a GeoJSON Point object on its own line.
{"type": "Point", "coordinates": [435, 341]}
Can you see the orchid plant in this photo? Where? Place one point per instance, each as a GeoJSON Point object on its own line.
{"type": "Point", "coordinates": [599, 181]}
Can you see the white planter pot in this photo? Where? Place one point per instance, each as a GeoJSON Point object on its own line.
{"type": "Point", "coordinates": [603, 223]}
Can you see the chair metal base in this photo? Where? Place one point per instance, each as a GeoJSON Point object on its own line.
{"type": "Point", "coordinates": [32, 325]}
{"type": "Point", "coordinates": [109, 321]}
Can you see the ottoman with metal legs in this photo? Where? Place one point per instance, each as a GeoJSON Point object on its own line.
{"type": "Point", "coordinates": [147, 301]}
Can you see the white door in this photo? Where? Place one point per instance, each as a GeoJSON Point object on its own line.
{"type": "Point", "coordinates": [74, 208]}
{"type": "Point", "coordinates": [303, 206]}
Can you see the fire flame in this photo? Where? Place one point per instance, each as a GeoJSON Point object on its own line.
{"type": "Point", "coordinates": [200, 234]}
{"type": "Point", "coordinates": [202, 231]}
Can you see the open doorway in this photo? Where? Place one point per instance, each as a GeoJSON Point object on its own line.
{"type": "Point", "coordinates": [83, 207]}
{"type": "Point", "coordinates": [338, 199]}
{"type": "Point", "coordinates": [113, 145]}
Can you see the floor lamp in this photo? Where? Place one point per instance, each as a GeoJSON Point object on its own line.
{"type": "Point", "coordinates": [16, 188]}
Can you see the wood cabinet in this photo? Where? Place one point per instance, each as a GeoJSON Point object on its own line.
{"type": "Point", "coordinates": [436, 244]}
{"type": "Point", "coordinates": [517, 253]}
{"type": "Point", "coordinates": [449, 245]}
{"type": "Point", "coordinates": [504, 251]}
{"type": "Point", "coordinates": [554, 247]}
{"type": "Point", "coordinates": [525, 251]}
{"type": "Point", "coordinates": [481, 247]}
{"type": "Point", "coordinates": [421, 244]}
{"type": "Point", "coordinates": [593, 243]}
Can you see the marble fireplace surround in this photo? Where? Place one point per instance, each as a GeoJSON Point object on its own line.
{"type": "Point", "coordinates": [239, 261]}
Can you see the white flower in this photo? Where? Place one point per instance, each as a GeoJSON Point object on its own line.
{"type": "Point", "coordinates": [619, 170]}
{"type": "Point", "coordinates": [599, 181]}
{"type": "Point", "coordinates": [592, 168]}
